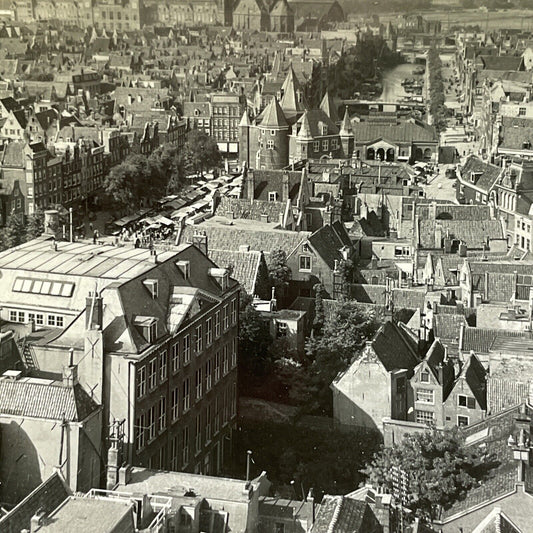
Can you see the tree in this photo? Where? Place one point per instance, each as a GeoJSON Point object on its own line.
{"type": "Point", "coordinates": [120, 184]}
{"type": "Point", "coordinates": [14, 232]}
{"type": "Point", "coordinates": [201, 152]}
{"type": "Point", "coordinates": [254, 338]}
{"type": "Point", "coordinates": [170, 164]}
{"type": "Point", "coordinates": [344, 334]}
{"type": "Point", "coordinates": [263, 285]}
{"type": "Point", "coordinates": [35, 225]}
{"type": "Point", "coordinates": [318, 321]}
{"type": "Point", "coordinates": [279, 272]}
{"type": "Point", "coordinates": [440, 469]}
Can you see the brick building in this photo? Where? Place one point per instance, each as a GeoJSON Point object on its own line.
{"type": "Point", "coordinates": [155, 345]}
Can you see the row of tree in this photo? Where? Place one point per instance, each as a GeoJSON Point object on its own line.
{"type": "Point", "coordinates": [140, 178]}
{"type": "Point", "coordinates": [436, 90]}
{"type": "Point", "coordinates": [19, 230]}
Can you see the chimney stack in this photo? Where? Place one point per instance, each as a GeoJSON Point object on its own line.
{"type": "Point", "coordinates": [70, 372]}
{"type": "Point", "coordinates": [199, 240]}
{"type": "Point", "coordinates": [94, 310]}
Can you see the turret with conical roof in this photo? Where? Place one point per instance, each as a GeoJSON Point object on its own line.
{"type": "Point", "coordinates": [273, 139]}
{"type": "Point", "coordinates": [328, 106]}
{"type": "Point", "coordinates": [346, 134]}
{"type": "Point", "coordinates": [293, 100]}
{"type": "Point", "coordinates": [304, 137]}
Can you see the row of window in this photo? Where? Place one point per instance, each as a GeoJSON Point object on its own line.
{"type": "Point", "coordinates": [428, 418]}
{"type": "Point", "coordinates": [40, 319]}
{"type": "Point", "coordinates": [428, 396]}
{"type": "Point", "coordinates": [208, 422]}
{"type": "Point", "coordinates": [156, 372]}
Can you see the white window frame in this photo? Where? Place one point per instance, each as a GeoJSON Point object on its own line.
{"type": "Point", "coordinates": [186, 349]}
{"type": "Point", "coordinates": [152, 374]}
{"type": "Point", "coordinates": [175, 403]}
{"type": "Point", "coordinates": [163, 366]}
{"type": "Point", "coordinates": [428, 393]}
{"type": "Point", "coordinates": [186, 395]}
{"type": "Point", "coordinates": [141, 381]}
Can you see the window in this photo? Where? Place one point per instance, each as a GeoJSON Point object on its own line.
{"type": "Point", "coordinates": [234, 399]}
{"type": "Point", "coordinates": [208, 375]}
{"type": "Point", "coordinates": [175, 358]}
{"type": "Point", "coordinates": [466, 401]}
{"type": "Point", "coordinates": [151, 423]}
{"type": "Point", "coordinates": [424, 395]}
{"type": "Point", "coordinates": [52, 320]}
{"type": "Point", "coordinates": [305, 263]}
{"type": "Point", "coordinates": [424, 376]}
{"type": "Point", "coordinates": [282, 329]}
{"type": "Point", "coordinates": [163, 366]}
{"type": "Point", "coordinates": [462, 420]}
{"type": "Point", "coordinates": [174, 451]}
{"type": "Point", "coordinates": [186, 395]}
{"type": "Point", "coordinates": [162, 413]}
{"type": "Point", "coordinates": [316, 146]}
{"type": "Point", "coordinates": [208, 332]}
{"type": "Point", "coordinates": [521, 111]}
{"type": "Point", "coordinates": [208, 423]}
{"type": "Point", "coordinates": [141, 381]}
{"type": "Point", "coordinates": [325, 144]}
{"type": "Point", "coordinates": [140, 423]}
{"type": "Point", "coordinates": [186, 349]}
{"type": "Point", "coordinates": [185, 445]}
{"type": "Point", "coordinates": [174, 403]}
{"type": "Point", "coordinates": [226, 317]}
{"type": "Point", "coordinates": [152, 374]}
{"type": "Point", "coordinates": [234, 353]}
{"type": "Point", "coordinates": [198, 339]}
{"type": "Point", "coordinates": [334, 144]}
{"type": "Point", "coordinates": [424, 417]}
{"type": "Point", "coordinates": [217, 324]}
{"type": "Point", "coordinates": [272, 196]}
{"type": "Point", "coordinates": [216, 419]}
{"type": "Point", "coordinates": [217, 366]}
{"type": "Point", "coordinates": [233, 311]}
{"type": "Point", "coordinates": [270, 144]}
{"type": "Point", "coordinates": [198, 439]}
{"type": "Point", "coordinates": [199, 384]}
{"type": "Point", "coordinates": [225, 360]}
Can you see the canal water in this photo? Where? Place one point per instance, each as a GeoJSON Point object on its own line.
{"type": "Point", "coordinates": [392, 82]}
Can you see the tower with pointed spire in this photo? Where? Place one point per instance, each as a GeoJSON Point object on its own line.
{"type": "Point", "coordinates": [244, 139]}
{"type": "Point", "coordinates": [293, 100]}
{"type": "Point", "coordinates": [346, 134]}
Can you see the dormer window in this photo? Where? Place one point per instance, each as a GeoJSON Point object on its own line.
{"type": "Point", "coordinates": [272, 196]}
{"type": "Point", "coordinates": [185, 268]}
{"type": "Point", "coordinates": [147, 326]}
{"type": "Point", "coordinates": [152, 286]}
{"type": "Point", "coordinates": [475, 176]}
{"type": "Point", "coordinates": [323, 129]}
{"type": "Point", "coordinates": [221, 275]}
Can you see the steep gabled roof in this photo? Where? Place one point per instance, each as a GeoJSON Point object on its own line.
{"type": "Point", "coordinates": [394, 348]}
{"type": "Point", "coordinates": [293, 100]}
{"type": "Point", "coordinates": [346, 125]}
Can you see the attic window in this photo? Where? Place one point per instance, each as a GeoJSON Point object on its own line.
{"type": "Point", "coordinates": [272, 196]}
{"type": "Point", "coordinates": [152, 286]}
{"type": "Point", "coordinates": [475, 176]}
{"type": "Point", "coordinates": [196, 112]}
{"type": "Point", "coordinates": [305, 247]}
{"type": "Point", "coordinates": [148, 327]}
{"type": "Point", "coordinates": [221, 275]}
{"type": "Point", "coordinates": [424, 376]}
{"type": "Point", "coordinates": [185, 268]}
{"type": "Point", "coordinates": [324, 129]}
{"type": "Point", "coordinates": [37, 286]}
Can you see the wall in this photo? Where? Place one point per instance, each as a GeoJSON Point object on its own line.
{"type": "Point", "coordinates": [29, 449]}
{"type": "Point", "coordinates": [365, 398]}
{"type": "Point", "coordinates": [452, 408]}
{"type": "Point", "coordinates": [394, 430]}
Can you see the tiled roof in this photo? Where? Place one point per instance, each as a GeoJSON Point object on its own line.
{"type": "Point", "coordinates": [472, 232]}
{"type": "Point", "coordinates": [47, 497]}
{"type": "Point", "coordinates": [476, 376]}
{"type": "Point", "coordinates": [231, 238]}
{"type": "Point", "coordinates": [241, 208]}
{"type": "Point", "coordinates": [313, 119]}
{"type": "Point", "coordinates": [273, 116]}
{"type": "Point", "coordinates": [501, 62]}
{"type": "Point", "coordinates": [329, 107]}
{"type": "Point", "coordinates": [394, 348]}
{"type": "Point", "coordinates": [489, 173]}
{"type": "Point", "coordinates": [43, 400]}
{"type": "Point", "coordinates": [481, 340]}
{"type": "Point", "coordinates": [327, 243]}
{"type": "Point", "coordinates": [245, 265]}
{"type": "Point", "coordinates": [447, 326]}
{"type": "Point", "coordinates": [515, 132]}
{"type": "Point", "coordinates": [401, 131]}
{"type": "Point", "coordinates": [343, 515]}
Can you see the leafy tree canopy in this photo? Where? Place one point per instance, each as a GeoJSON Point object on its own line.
{"type": "Point", "coordinates": [439, 467]}
{"type": "Point", "coordinates": [201, 152]}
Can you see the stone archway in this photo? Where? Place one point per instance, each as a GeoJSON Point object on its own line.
{"type": "Point", "coordinates": [380, 154]}
{"type": "Point", "coordinates": [370, 153]}
{"type": "Point", "coordinates": [390, 154]}
{"type": "Point", "coordinates": [427, 154]}
{"type": "Point", "coordinates": [419, 154]}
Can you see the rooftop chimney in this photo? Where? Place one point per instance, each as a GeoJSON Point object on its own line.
{"type": "Point", "coordinates": [70, 372]}
{"type": "Point", "coordinates": [94, 310]}
{"type": "Point", "coordinates": [199, 240]}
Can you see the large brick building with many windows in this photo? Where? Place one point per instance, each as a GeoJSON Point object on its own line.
{"type": "Point", "coordinates": [153, 337]}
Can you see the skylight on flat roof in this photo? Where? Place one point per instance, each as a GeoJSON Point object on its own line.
{"type": "Point", "coordinates": [41, 286]}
